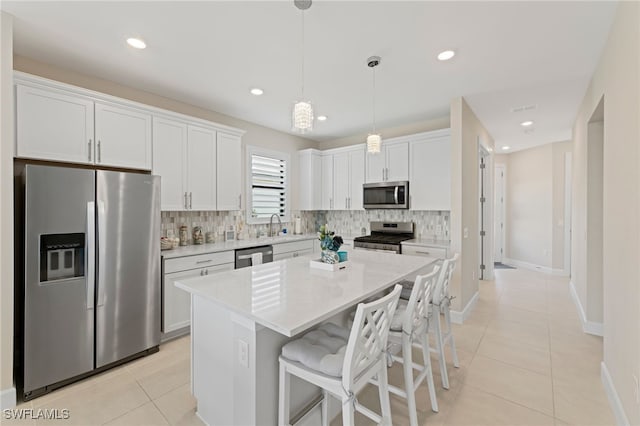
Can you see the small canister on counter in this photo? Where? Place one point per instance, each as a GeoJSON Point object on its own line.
{"type": "Point", "coordinates": [184, 235]}
{"type": "Point", "coordinates": [210, 237]}
{"type": "Point", "coordinates": [198, 237]}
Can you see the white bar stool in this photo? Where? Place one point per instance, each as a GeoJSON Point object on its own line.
{"type": "Point", "coordinates": [340, 367]}
{"type": "Point", "coordinates": [442, 305]}
{"type": "Point", "coordinates": [409, 328]}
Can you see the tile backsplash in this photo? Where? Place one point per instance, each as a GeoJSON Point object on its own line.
{"type": "Point", "coordinates": [428, 224]}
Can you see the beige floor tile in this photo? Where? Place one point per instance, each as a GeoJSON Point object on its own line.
{"type": "Point", "coordinates": [475, 407]}
{"type": "Point", "coordinates": [513, 314]}
{"type": "Point", "coordinates": [531, 300]}
{"type": "Point", "coordinates": [179, 406]}
{"type": "Point", "coordinates": [527, 333]}
{"type": "Point", "coordinates": [100, 402]}
{"type": "Point", "coordinates": [516, 353]}
{"type": "Point", "coordinates": [146, 415]}
{"type": "Point", "coordinates": [156, 380]}
{"type": "Point", "coordinates": [582, 401]}
{"type": "Point", "coordinates": [524, 387]}
{"type": "Point", "coordinates": [467, 337]}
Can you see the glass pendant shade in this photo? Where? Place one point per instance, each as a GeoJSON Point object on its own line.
{"type": "Point", "coordinates": [374, 142]}
{"type": "Point", "coordinates": [302, 116]}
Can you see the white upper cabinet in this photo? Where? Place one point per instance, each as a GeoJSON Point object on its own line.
{"type": "Point", "coordinates": [390, 164]}
{"type": "Point", "coordinates": [326, 184]}
{"type": "Point", "coordinates": [229, 172]}
{"type": "Point", "coordinates": [310, 172]}
{"type": "Point", "coordinates": [430, 180]}
{"type": "Point", "coordinates": [52, 125]}
{"type": "Point", "coordinates": [356, 175]}
{"type": "Point", "coordinates": [170, 162]}
{"type": "Point", "coordinates": [341, 185]}
{"type": "Point", "coordinates": [348, 177]}
{"type": "Point", "coordinates": [201, 168]}
{"type": "Point", "coordinates": [123, 137]}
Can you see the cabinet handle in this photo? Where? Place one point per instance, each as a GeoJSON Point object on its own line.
{"type": "Point", "coordinates": [206, 272]}
{"type": "Point", "coordinates": [186, 206]}
{"type": "Point", "coordinates": [383, 174]}
{"type": "Point", "coordinates": [240, 202]}
{"type": "Point", "coordinates": [422, 252]}
{"type": "Point", "coordinates": [201, 272]}
{"type": "Point", "coordinates": [89, 149]}
{"type": "Point", "coordinates": [295, 254]}
{"type": "Point", "coordinates": [99, 152]}
{"type": "Point", "coordinates": [190, 200]}
{"type": "Point", "coordinates": [204, 261]}
{"type": "Point", "coordinates": [346, 203]}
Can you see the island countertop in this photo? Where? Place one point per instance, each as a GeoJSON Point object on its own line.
{"type": "Point", "coordinates": [289, 296]}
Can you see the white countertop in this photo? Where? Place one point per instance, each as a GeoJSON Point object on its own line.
{"type": "Point", "coordinates": [289, 296]}
{"type": "Point", "coordinates": [424, 242]}
{"type": "Point", "coordinates": [192, 250]}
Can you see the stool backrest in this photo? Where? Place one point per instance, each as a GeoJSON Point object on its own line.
{"type": "Point", "coordinates": [442, 286]}
{"type": "Point", "coordinates": [417, 311]}
{"type": "Point", "coordinates": [369, 334]}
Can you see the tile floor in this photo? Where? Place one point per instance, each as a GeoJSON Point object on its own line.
{"type": "Point", "coordinates": [524, 360]}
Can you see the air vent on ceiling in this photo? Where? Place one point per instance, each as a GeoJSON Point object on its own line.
{"type": "Point", "coordinates": [524, 108]}
{"type": "Point", "coordinates": [529, 130]}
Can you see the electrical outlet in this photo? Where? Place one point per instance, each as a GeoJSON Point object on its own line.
{"type": "Point", "coordinates": [243, 353]}
{"type": "Point", "coordinates": [636, 388]}
{"type": "Point", "coordinates": [438, 229]}
{"type": "Point", "coordinates": [466, 233]}
{"type": "Point", "coordinates": [473, 275]}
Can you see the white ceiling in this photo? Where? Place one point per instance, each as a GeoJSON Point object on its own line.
{"type": "Point", "coordinates": [209, 54]}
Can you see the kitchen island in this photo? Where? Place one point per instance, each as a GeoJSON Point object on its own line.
{"type": "Point", "coordinates": [240, 320]}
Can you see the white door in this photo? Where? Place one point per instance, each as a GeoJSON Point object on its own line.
{"type": "Point", "coordinates": [123, 137]}
{"type": "Point", "coordinates": [341, 184]}
{"type": "Point", "coordinates": [229, 172]}
{"type": "Point", "coordinates": [430, 174]}
{"type": "Point", "coordinates": [326, 185]}
{"type": "Point", "coordinates": [170, 162]}
{"type": "Point", "coordinates": [397, 157]}
{"type": "Point", "coordinates": [201, 168]}
{"type": "Point", "coordinates": [375, 167]}
{"type": "Point", "coordinates": [51, 125]}
{"type": "Point", "coordinates": [498, 210]}
{"type": "Point", "coordinates": [356, 167]}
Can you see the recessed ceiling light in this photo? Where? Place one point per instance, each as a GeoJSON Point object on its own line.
{"type": "Point", "coordinates": [322, 118]}
{"type": "Point", "coordinates": [256, 91]}
{"type": "Point", "coordinates": [136, 42]}
{"type": "Point", "coordinates": [506, 148]}
{"type": "Point", "coordinates": [526, 123]}
{"type": "Point", "coordinates": [446, 55]}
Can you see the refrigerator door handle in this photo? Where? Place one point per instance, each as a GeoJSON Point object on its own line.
{"type": "Point", "coordinates": [91, 255]}
{"type": "Point", "coordinates": [102, 233]}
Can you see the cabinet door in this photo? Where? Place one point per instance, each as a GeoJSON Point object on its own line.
{"type": "Point", "coordinates": [201, 168]}
{"type": "Point", "coordinates": [229, 172]}
{"type": "Point", "coordinates": [397, 158]}
{"type": "Point", "coordinates": [170, 162]}
{"type": "Point", "coordinates": [356, 169]}
{"type": "Point", "coordinates": [123, 137]}
{"type": "Point", "coordinates": [430, 182]}
{"type": "Point", "coordinates": [176, 303]}
{"type": "Point", "coordinates": [326, 186]}
{"type": "Point", "coordinates": [375, 167]}
{"type": "Point", "coordinates": [341, 186]}
{"type": "Point", "coordinates": [52, 125]}
{"type": "Point", "coordinates": [310, 171]}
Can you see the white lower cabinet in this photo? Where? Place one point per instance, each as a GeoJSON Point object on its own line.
{"type": "Point", "coordinates": [439, 252]}
{"type": "Point", "coordinates": [176, 303]}
{"type": "Point", "coordinates": [293, 249]}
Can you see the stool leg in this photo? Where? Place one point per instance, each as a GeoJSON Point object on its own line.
{"type": "Point", "coordinates": [454, 354]}
{"type": "Point", "coordinates": [427, 364]}
{"type": "Point", "coordinates": [383, 391]}
{"type": "Point", "coordinates": [348, 412]}
{"type": "Point", "coordinates": [283, 397]}
{"type": "Point", "coordinates": [440, 343]}
{"type": "Point", "coordinates": [407, 367]}
{"type": "Point", "coordinates": [325, 408]}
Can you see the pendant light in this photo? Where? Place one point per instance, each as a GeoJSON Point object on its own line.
{"type": "Point", "coordinates": [374, 142]}
{"type": "Point", "coordinates": [302, 114]}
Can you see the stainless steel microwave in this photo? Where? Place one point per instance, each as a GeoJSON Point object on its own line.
{"type": "Point", "coordinates": [386, 195]}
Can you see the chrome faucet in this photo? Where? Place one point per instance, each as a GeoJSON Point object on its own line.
{"type": "Point", "coordinates": [271, 224]}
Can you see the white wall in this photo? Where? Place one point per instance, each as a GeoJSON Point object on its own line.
{"type": "Point", "coordinates": [617, 78]}
{"type": "Point", "coordinates": [7, 393]}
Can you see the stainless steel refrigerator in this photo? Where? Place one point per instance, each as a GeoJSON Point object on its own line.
{"type": "Point", "coordinates": [91, 272]}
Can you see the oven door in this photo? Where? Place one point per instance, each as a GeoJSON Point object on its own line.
{"type": "Point", "coordinates": [386, 195]}
{"type": "Point", "coordinates": [386, 248]}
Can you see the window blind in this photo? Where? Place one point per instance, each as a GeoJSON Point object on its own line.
{"type": "Point", "coordinates": [268, 186]}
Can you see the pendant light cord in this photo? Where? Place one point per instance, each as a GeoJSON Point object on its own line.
{"type": "Point", "coordinates": [374, 99]}
{"type": "Point", "coordinates": [302, 12]}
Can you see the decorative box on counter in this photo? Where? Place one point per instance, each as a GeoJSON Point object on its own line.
{"type": "Point", "coordinates": [317, 263]}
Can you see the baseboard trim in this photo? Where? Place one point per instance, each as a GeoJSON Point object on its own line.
{"type": "Point", "coordinates": [8, 398]}
{"type": "Point", "coordinates": [534, 267]}
{"type": "Point", "coordinates": [612, 395]}
{"type": "Point", "coordinates": [458, 317]}
{"type": "Point", "coordinates": [589, 327]}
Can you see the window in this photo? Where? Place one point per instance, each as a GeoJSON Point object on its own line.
{"type": "Point", "coordinates": [268, 185]}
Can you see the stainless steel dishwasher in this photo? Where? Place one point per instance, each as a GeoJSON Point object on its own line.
{"type": "Point", "coordinates": [244, 256]}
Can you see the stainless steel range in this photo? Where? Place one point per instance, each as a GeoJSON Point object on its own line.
{"type": "Point", "coordinates": [385, 236]}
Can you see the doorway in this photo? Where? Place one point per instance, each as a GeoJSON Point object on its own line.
{"type": "Point", "coordinates": [485, 216]}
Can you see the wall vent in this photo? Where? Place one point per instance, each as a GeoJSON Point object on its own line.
{"type": "Point", "coordinates": [524, 108]}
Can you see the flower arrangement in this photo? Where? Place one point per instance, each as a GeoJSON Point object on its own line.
{"type": "Point", "coordinates": [330, 244]}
